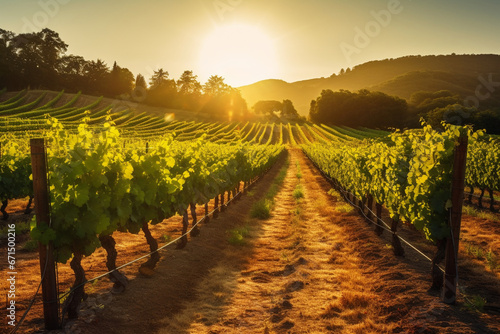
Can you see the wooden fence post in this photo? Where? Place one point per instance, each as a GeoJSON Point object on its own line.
{"type": "Point", "coordinates": [222, 205]}
{"type": "Point", "coordinates": [378, 228]}
{"type": "Point", "coordinates": [46, 252]}
{"type": "Point", "coordinates": [457, 193]}
{"type": "Point", "coordinates": [370, 207]}
{"type": "Point", "coordinates": [216, 207]}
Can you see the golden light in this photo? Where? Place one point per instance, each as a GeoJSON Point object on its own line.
{"type": "Point", "coordinates": [242, 54]}
{"type": "Point", "coordinates": [169, 117]}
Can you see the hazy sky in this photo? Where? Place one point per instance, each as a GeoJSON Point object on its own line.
{"type": "Point", "coordinates": [250, 40]}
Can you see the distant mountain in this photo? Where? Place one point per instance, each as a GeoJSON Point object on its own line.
{"type": "Point", "coordinates": [401, 77]}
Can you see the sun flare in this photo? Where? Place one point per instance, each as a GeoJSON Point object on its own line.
{"type": "Point", "coordinates": [242, 54]}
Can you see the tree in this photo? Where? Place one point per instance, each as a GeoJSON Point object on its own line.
{"type": "Point", "coordinates": [158, 79]}
{"type": "Point", "coordinates": [454, 114]}
{"type": "Point", "coordinates": [312, 107]}
{"type": "Point", "coordinates": [72, 65]}
{"type": "Point", "coordinates": [71, 70]}
{"type": "Point", "coordinates": [9, 66]}
{"type": "Point", "coordinates": [162, 90]}
{"type": "Point", "coordinates": [423, 102]}
{"type": "Point", "coordinates": [457, 114]}
{"type": "Point", "coordinates": [226, 107]}
{"type": "Point", "coordinates": [222, 101]}
{"type": "Point", "coordinates": [364, 108]}
{"type": "Point", "coordinates": [51, 48]}
{"type": "Point", "coordinates": [188, 85]}
{"type": "Point", "coordinates": [215, 86]}
{"type": "Point", "coordinates": [140, 82]}
{"type": "Point", "coordinates": [120, 81]}
{"type": "Point", "coordinates": [189, 91]}
{"type": "Point", "coordinates": [139, 94]}
{"type": "Point", "coordinates": [288, 109]}
{"type": "Point", "coordinates": [38, 56]}
{"type": "Point", "coordinates": [488, 120]}
{"type": "Point", "coordinates": [268, 107]}
{"type": "Point", "coordinates": [96, 73]}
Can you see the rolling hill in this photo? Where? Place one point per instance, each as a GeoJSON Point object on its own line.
{"type": "Point", "coordinates": [401, 77]}
{"type": "Point", "coordinates": [114, 105]}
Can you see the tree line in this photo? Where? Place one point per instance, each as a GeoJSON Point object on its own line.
{"type": "Point", "coordinates": [379, 110]}
{"type": "Point", "coordinates": [38, 60]}
{"type": "Point", "coordinates": [364, 108]}
{"type": "Point", "coordinates": [446, 106]}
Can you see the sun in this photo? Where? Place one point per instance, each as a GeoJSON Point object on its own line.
{"type": "Point", "coordinates": [242, 54]}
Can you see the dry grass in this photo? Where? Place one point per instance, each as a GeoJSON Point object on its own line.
{"type": "Point", "coordinates": [480, 241]}
{"type": "Point", "coordinates": [353, 300]}
{"type": "Point", "coordinates": [324, 207]}
{"type": "Point", "coordinates": [481, 214]}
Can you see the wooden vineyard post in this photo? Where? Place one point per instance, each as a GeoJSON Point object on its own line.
{"type": "Point", "coordinates": [457, 193]}
{"type": "Point", "coordinates": [207, 218]}
{"type": "Point", "coordinates": [46, 253]}
{"type": "Point", "coordinates": [492, 200]}
{"type": "Point", "coordinates": [361, 205]}
{"type": "Point", "coordinates": [396, 243]}
{"type": "Point", "coordinates": [370, 207]}
{"type": "Point", "coordinates": [5, 201]}
{"type": "Point", "coordinates": [378, 229]}
{"type": "Point", "coordinates": [216, 207]}
{"type": "Point", "coordinates": [222, 206]}
{"type": "Point", "coordinates": [480, 199]}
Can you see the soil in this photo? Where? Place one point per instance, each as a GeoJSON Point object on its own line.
{"type": "Point", "coordinates": [315, 266]}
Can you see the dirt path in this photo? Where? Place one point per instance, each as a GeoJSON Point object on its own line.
{"type": "Point", "coordinates": [288, 281]}
{"type": "Point", "coordinates": [314, 267]}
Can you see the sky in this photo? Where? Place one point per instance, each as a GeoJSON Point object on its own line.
{"type": "Point", "coordinates": [245, 41]}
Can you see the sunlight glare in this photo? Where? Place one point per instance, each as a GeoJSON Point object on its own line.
{"type": "Point", "coordinates": [242, 54]}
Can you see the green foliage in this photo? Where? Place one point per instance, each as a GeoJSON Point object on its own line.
{"type": "Point", "coordinates": [237, 235]}
{"type": "Point", "coordinates": [101, 182]}
{"type": "Point", "coordinates": [481, 254]}
{"type": "Point", "coordinates": [488, 120]}
{"type": "Point", "coordinates": [298, 192]}
{"type": "Point", "coordinates": [299, 173]}
{"type": "Point", "coordinates": [288, 109]}
{"type": "Point", "coordinates": [344, 208]}
{"type": "Point", "coordinates": [483, 163]}
{"type": "Point", "coordinates": [411, 175]}
{"type": "Point", "coordinates": [492, 260]}
{"type": "Point", "coordinates": [475, 303]}
{"type": "Point", "coordinates": [15, 168]}
{"type": "Point", "coordinates": [267, 107]}
{"type": "Point", "coordinates": [445, 106]}
{"type": "Point", "coordinates": [473, 212]}
{"type": "Point", "coordinates": [364, 108]}
{"type": "Point", "coordinates": [424, 101]}
{"type": "Point", "coordinates": [221, 101]}
{"type": "Point", "coordinates": [261, 209]}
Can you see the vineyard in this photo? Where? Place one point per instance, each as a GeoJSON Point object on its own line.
{"type": "Point", "coordinates": [116, 174]}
